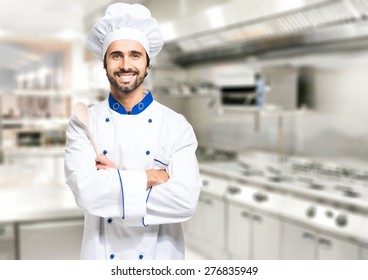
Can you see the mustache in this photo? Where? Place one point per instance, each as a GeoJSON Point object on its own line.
{"type": "Point", "coordinates": [129, 71]}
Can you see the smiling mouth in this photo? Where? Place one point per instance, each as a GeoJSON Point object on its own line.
{"type": "Point", "coordinates": [126, 77]}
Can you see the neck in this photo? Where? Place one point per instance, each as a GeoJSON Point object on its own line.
{"type": "Point", "coordinates": [128, 100]}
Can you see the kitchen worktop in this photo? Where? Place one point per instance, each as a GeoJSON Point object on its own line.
{"type": "Point", "coordinates": [288, 200]}
{"type": "Point", "coordinates": [232, 170]}
{"type": "Point", "coordinates": [32, 152]}
{"type": "Point", "coordinates": [28, 197]}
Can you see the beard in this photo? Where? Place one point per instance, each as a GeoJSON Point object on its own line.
{"type": "Point", "coordinates": [126, 88]}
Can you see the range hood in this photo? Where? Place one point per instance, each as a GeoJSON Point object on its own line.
{"type": "Point", "coordinates": [337, 23]}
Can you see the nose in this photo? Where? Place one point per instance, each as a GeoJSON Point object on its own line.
{"type": "Point", "coordinates": [124, 64]}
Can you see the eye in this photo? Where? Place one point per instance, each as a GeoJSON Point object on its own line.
{"type": "Point", "coordinates": [116, 55]}
{"type": "Point", "coordinates": [136, 55]}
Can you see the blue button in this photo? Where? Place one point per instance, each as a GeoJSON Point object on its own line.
{"type": "Point", "coordinates": [150, 120]}
{"type": "Point", "coordinates": [109, 220]}
{"type": "Point", "coordinates": [116, 106]}
{"type": "Point", "coordinates": [148, 152]}
{"type": "Point", "coordinates": [112, 256]}
{"type": "Point", "coordinates": [140, 256]}
{"type": "Point", "coordinates": [107, 120]}
{"type": "Point", "coordinates": [104, 152]}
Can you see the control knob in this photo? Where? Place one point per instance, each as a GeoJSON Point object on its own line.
{"type": "Point", "coordinates": [260, 197]}
{"type": "Point", "coordinates": [233, 190]}
{"type": "Point", "coordinates": [341, 220]}
{"type": "Point", "coordinates": [311, 212]}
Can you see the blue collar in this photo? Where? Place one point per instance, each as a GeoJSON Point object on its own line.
{"type": "Point", "coordinates": [138, 108]}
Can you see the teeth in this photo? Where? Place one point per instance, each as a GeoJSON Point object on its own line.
{"type": "Point", "coordinates": [126, 78]}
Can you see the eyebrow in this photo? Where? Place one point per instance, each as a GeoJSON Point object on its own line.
{"type": "Point", "coordinates": [120, 52]}
{"type": "Point", "coordinates": [136, 52]}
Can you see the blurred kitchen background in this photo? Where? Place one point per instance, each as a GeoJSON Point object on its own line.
{"type": "Point", "coordinates": [276, 91]}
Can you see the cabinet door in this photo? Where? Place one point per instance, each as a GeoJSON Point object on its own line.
{"type": "Point", "coordinates": [365, 251]}
{"type": "Point", "coordinates": [298, 243]}
{"type": "Point", "coordinates": [7, 242]}
{"type": "Point", "coordinates": [213, 211]}
{"type": "Point", "coordinates": [239, 232]}
{"type": "Point", "coordinates": [330, 248]}
{"type": "Point", "coordinates": [56, 240]}
{"type": "Point", "coordinates": [266, 237]}
{"type": "Point", "coordinates": [194, 227]}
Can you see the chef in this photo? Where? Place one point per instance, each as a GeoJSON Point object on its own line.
{"type": "Point", "coordinates": [145, 180]}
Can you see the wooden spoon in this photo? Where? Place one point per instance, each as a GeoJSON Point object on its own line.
{"type": "Point", "coordinates": [81, 112]}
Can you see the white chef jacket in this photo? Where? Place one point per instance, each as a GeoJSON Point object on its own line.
{"type": "Point", "coordinates": [123, 220]}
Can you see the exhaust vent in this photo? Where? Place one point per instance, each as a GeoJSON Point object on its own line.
{"type": "Point", "coordinates": [282, 29]}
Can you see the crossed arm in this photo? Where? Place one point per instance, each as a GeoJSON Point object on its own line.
{"type": "Point", "coordinates": [154, 177]}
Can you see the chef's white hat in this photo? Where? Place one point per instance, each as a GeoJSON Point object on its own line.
{"type": "Point", "coordinates": [125, 21]}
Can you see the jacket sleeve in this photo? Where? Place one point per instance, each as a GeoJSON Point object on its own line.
{"type": "Point", "coordinates": [103, 193]}
{"type": "Point", "coordinates": [176, 200]}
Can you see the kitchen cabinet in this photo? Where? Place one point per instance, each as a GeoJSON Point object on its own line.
{"type": "Point", "coordinates": [331, 248]}
{"type": "Point", "coordinates": [7, 242]}
{"type": "Point", "coordinates": [214, 223]}
{"type": "Point", "coordinates": [253, 234]}
{"type": "Point", "coordinates": [266, 236]}
{"type": "Point", "coordinates": [298, 243]}
{"type": "Point", "coordinates": [206, 230]}
{"type": "Point", "coordinates": [239, 232]}
{"type": "Point", "coordinates": [365, 251]}
{"type": "Point", "coordinates": [50, 240]}
{"type": "Point", "coordinates": [193, 227]}
{"type": "Point", "coordinates": [303, 243]}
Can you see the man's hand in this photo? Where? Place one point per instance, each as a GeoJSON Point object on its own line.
{"type": "Point", "coordinates": [102, 162]}
{"type": "Point", "coordinates": [156, 177]}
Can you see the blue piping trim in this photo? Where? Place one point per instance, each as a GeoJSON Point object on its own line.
{"type": "Point", "coordinates": [161, 162]}
{"type": "Point", "coordinates": [149, 192]}
{"type": "Point", "coordinates": [138, 108]}
{"type": "Point", "coordinates": [122, 194]}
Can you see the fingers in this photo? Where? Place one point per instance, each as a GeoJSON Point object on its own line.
{"type": "Point", "coordinates": [102, 162]}
{"type": "Point", "coordinates": [102, 159]}
{"type": "Point", "coordinates": [163, 176]}
{"type": "Point", "coordinates": [101, 166]}
{"type": "Point", "coordinates": [156, 177]}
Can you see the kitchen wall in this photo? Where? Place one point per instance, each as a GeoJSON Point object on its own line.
{"type": "Point", "coordinates": [330, 120]}
{"type": "Point", "coordinates": [335, 127]}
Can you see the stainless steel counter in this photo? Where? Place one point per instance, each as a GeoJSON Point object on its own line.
{"type": "Point", "coordinates": [39, 218]}
{"type": "Point", "coordinates": [28, 197]}
{"type": "Point", "coordinates": [324, 209]}
{"type": "Point", "coordinates": [34, 203]}
{"type": "Point", "coordinates": [232, 171]}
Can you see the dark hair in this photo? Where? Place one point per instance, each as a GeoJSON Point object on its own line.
{"type": "Point", "coordinates": [147, 57]}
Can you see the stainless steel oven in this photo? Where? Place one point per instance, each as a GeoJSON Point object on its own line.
{"type": "Point", "coordinates": [29, 138]}
{"type": "Point", "coordinates": [239, 95]}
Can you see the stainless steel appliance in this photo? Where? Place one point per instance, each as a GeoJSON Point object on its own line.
{"type": "Point", "coordinates": [50, 240]}
{"type": "Point", "coordinates": [7, 242]}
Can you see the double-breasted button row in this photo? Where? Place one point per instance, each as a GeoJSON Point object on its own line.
{"type": "Point", "coordinates": [112, 256]}
{"type": "Point", "coordinates": [147, 152]}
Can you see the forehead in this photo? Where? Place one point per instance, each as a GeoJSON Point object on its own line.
{"type": "Point", "coordinates": [125, 46]}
